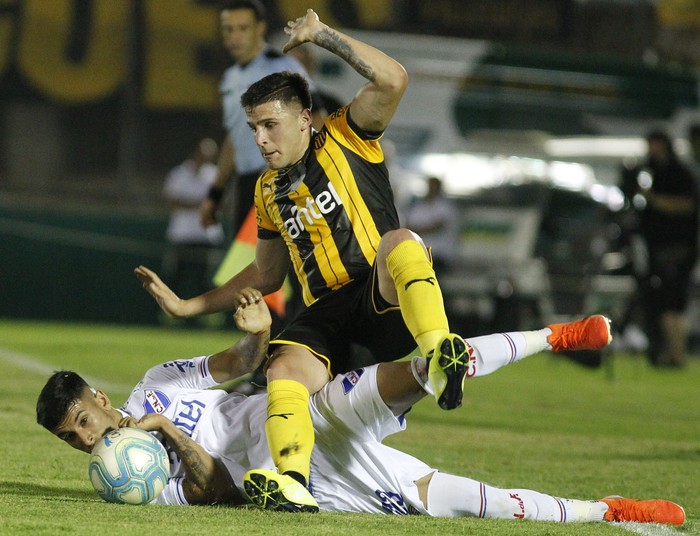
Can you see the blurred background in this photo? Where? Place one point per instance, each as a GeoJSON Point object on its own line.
{"type": "Point", "coordinates": [528, 111]}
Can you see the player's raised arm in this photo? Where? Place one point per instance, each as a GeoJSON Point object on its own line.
{"type": "Point", "coordinates": [375, 103]}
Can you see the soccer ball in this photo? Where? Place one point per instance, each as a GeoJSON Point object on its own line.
{"type": "Point", "coordinates": [129, 466]}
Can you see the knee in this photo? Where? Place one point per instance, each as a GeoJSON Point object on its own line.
{"type": "Point", "coordinates": [297, 364]}
{"type": "Point", "coordinates": [391, 239]}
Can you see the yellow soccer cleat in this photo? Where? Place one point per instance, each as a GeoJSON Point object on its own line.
{"type": "Point", "coordinates": [447, 368]}
{"type": "Point", "coordinates": [270, 490]}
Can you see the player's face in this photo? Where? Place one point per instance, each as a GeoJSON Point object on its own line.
{"type": "Point", "coordinates": [281, 132]}
{"type": "Point", "coordinates": [243, 36]}
{"type": "Point", "coordinates": [88, 419]}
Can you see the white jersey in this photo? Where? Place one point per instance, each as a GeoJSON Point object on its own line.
{"type": "Point", "coordinates": [351, 470]}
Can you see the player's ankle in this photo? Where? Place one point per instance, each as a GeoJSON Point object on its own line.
{"type": "Point", "coordinates": [296, 476]}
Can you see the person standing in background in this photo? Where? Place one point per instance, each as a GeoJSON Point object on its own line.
{"type": "Point", "coordinates": [243, 29]}
{"type": "Point", "coordinates": [192, 245]}
{"type": "Point", "coordinates": [435, 219]}
{"type": "Point", "coordinates": [669, 226]}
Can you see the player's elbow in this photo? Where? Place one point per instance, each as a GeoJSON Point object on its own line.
{"type": "Point", "coordinates": [395, 80]}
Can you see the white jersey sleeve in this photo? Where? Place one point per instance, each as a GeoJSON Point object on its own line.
{"type": "Point", "coordinates": [172, 494]}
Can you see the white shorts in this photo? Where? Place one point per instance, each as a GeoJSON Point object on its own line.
{"type": "Point", "coordinates": [351, 470]}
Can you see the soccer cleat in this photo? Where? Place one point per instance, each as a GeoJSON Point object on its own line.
{"type": "Point", "coordinates": [447, 367]}
{"type": "Point", "coordinates": [590, 333]}
{"type": "Point", "coordinates": [270, 490]}
{"type": "Point", "coordinates": [650, 511]}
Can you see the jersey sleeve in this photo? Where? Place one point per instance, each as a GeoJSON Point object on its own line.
{"type": "Point", "coordinates": [339, 126]}
{"type": "Point", "coordinates": [183, 373]}
{"type": "Point", "coordinates": [266, 227]}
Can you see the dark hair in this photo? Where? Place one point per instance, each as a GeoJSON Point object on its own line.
{"type": "Point", "coordinates": [286, 86]}
{"type": "Point", "coordinates": [255, 6]}
{"type": "Point", "coordinates": [62, 389]}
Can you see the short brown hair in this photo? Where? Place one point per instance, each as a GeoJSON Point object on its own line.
{"type": "Point", "coordinates": [286, 86]}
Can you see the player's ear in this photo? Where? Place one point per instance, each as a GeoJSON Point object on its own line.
{"type": "Point", "coordinates": [305, 119]}
{"type": "Point", "coordinates": [102, 399]}
{"type": "Point", "coordinates": [262, 29]}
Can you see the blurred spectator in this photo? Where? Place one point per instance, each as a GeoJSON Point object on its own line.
{"type": "Point", "coordinates": [243, 28]}
{"type": "Point", "coordinates": [669, 226]}
{"type": "Point", "coordinates": [694, 139]}
{"type": "Point", "coordinates": [435, 219]}
{"type": "Point", "coordinates": [193, 247]}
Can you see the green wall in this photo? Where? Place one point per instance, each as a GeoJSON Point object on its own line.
{"type": "Point", "coordinates": [77, 264]}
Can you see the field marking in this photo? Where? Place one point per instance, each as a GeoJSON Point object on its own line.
{"type": "Point", "coordinates": [32, 364]}
{"type": "Point", "coordinates": [650, 529]}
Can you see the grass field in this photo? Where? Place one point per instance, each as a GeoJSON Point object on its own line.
{"type": "Point", "coordinates": [544, 424]}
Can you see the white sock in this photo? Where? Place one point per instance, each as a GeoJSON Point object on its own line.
{"type": "Point", "coordinates": [491, 352]}
{"type": "Point", "coordinates": [455, 496]}
{"type": "Point", "coordinates": [500, 349]}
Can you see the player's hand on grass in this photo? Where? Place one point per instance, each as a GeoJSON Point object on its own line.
{"type": "Point", "coordinates": [252, 314]}
{"type": "Point", "coordinates": [302, 30]}
{"type": "Point", "coordinates": [171, 304]}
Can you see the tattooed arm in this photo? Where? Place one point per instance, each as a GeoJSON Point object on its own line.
{"type": "Point", "coordinates": [206, 479]}
{"type": "Point", "coordinates": [374, 105]}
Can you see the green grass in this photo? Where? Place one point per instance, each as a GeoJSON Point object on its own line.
{"type": "Point", "coordinates": [543, 424]}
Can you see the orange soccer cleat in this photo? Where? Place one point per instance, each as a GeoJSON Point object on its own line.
{"type": "Point", "coordinates": [650, 511]}
{"type": "Point", "coordinates": [590, 333]}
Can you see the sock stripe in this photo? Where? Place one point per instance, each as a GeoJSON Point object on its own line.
{"type": "Point", "coordinates": [482, 493]}
{"type": "Point", "coordinates": [513, 349]}
{"type": "Point", "coordinates": [562, 510]}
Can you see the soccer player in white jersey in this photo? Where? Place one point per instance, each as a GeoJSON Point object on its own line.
{"type": "Point", "coordinates": [212, 435]}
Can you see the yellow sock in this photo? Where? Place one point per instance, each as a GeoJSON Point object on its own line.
{"type": "Point", "coordinates": [419, 294]}
{"type": "Point", "coordinates": [290, 433]}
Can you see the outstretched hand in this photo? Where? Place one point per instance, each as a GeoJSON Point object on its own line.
{"type": "Point", "coordinates": [252, 314]}
{"type": "Point", "coordinates": [167, 300]}
{"type": "Point", "coordinates": [301, 30]}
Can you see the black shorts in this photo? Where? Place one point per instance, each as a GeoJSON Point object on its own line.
{"type": "Point", "coordinates": [355, 313]}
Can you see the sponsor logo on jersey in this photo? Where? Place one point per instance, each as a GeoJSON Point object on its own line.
{"type": "Point", "coordinates": [155, 401]}
{"type": "Point", "coordinates": [314, 210]}
{"type": "Point", "coordinates": [351, 378]}
{"type": "Point", "coordinates": [180, 365]}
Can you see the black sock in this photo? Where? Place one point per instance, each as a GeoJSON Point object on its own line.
{"type": "Point", "coordinates": [296, 476]}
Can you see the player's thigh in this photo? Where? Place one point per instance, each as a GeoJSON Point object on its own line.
{"type": "Point", "coordinates": [294, 362]}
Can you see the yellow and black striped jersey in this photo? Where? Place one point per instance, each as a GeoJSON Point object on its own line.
{"type": "Point", "coordinates": [331, 208]}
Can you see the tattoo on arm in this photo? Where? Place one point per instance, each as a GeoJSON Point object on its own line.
{"type": "Point", "coordinates": [332, 42]}
{"type": "Point", "coordinates": [192, 460]}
